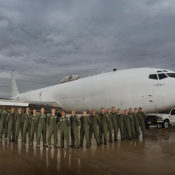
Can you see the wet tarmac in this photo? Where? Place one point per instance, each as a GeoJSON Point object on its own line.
{"type": "Point", "coordinates": [153, 155]}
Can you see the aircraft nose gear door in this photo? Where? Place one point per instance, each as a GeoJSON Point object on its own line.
{"type": "Point", "coordinates": [150, 97]}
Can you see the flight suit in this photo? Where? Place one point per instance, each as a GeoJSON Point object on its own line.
{"type": "Point", "coordinates": [26, 126]}
{"type": "Point", "coordinates": [84, 130]}
{"type": "Point", "coordinates": [34, 127]}
{"type": "Point", "coordinates": [110, 125]}
{"type": "Point", "coordinates": [142, 117]}
{"type": "Point", "coordinates": [3, 121]}
{"type": "Point", "coordinates": [64, 131]}
{"type": "Point", "coordinates": [52, 122]}
{"type": "Point", "coordinates": [136, 119]}
{"type": "Point", "coordinates": [18, 126]}
{"type": "Point", "coordinates": [42, 120]}
{"type": "Point", "coordinates": [132, 122]}
{"type": "Point", "coordinates": [121, 125]}
{"type": "Point", "coordinates": [127, 127]}
{"type": "Point", "coordinates": [115, 125]}
{"type": "Point", "coordinates": [74, 123]}
{"type": "Point", "coordinates": [103, 128]}
{"type": "Point", "coordinates": [6, 126]}
{"type": "Point", "coordinates": [11, 126]}
{"type": "Point", "coordinates": [93, 128]}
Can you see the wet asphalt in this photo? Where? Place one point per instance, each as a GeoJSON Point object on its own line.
{"type": "Point", "coordinates": [155, 154]}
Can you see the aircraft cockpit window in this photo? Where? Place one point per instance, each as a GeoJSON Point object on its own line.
{"type": "Point", "coordinates": [172, 75]}
{"type": "Point", "coordinates": [153, 76]}
{"type": "Point", "coordinates": [162, 76]}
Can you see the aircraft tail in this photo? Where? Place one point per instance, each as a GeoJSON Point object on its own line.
{"type": "Point", "coordinates": [14, 88]}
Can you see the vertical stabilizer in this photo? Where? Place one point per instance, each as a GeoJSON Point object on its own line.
{"type": "Point", "coordinates": [14, 88]}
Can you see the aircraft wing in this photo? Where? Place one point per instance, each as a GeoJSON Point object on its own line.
{"type": "Point", "coordinates": [45, 103]}
{"type": "Point", "coordinates": [8, 102]}
{"type": "Point", "coordinates": [4, 102]}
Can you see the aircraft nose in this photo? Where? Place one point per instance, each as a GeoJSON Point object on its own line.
{"type": "Point", "coordinates": [164, 95]}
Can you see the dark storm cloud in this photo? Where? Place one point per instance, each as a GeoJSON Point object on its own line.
{"type": "Point", "coordinates": [43, 41]}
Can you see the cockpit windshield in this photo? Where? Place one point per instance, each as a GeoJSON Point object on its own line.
{"type": "Point", "coordinates": [162, 76]}
{"type": "Point", "coordinates": [153, 76]}
{"type": "Point", "coordinates": [172, 75]}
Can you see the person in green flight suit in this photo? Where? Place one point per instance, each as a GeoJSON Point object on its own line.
{"type": "Point", "coordinates": [74, 123]}
{"type": "Point", "coordinates": [103, 126]}
{"type": "Point", "coordinates": [132, 122]}
{"type": "Point", "coordinates": [142, 118]}
{"type": "Point", "coordinates": [52, 121]}
{"type": "Point", "coordinates": [19, 124]}
{"type": "Point", "coordinates": [121, 123]}
{"type": "Point", "coordinates": [3, 123]}
{"type": "Point", "coordinates": [110, 124]}
{"type": "Point", "coordinates": [127, 125]}
{"type": "Point", "coordinates": [84, 129]}
{"type": "Point", "coordinates": [94, 118]}
{"type": "Point", "coordinates": [34, 126]}
{"type": "Point", "coordinates": [136, 119]}
{"type": "Point", "coordinates": [26, 125]}
{"type": "Point", "coordinates": [6, 124]}
{"type": "Point", "coordinates": [42, 121]}
{"type": "Point", "coordinates": [11, 125]}
{"type": "Point", "coordinates": [64, 129]}
{"type": "Point", "coordinates": [115, 123]}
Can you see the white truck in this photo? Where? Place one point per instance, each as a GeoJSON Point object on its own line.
{"type": "Point", "coordinates": [163, 119]}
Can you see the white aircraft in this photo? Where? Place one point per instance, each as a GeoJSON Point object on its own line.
{"type": "Point", "coordinates": [149, 88]}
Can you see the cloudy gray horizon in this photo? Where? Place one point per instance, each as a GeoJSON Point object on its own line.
{"type": "Point", "coordinates": [43, 41]}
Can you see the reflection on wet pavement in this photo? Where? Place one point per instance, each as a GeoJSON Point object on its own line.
{"type": "Point", "coordinates": [153, 155]}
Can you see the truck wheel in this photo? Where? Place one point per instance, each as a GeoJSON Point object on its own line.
{"type": "Point", "coordinates": [166, 124]}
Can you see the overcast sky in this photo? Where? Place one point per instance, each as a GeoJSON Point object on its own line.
{"type": "Point", "coordinates": [45, 40]}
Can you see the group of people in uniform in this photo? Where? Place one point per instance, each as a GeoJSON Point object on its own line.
{"type": "Point", "coordinates": [104, 126]}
